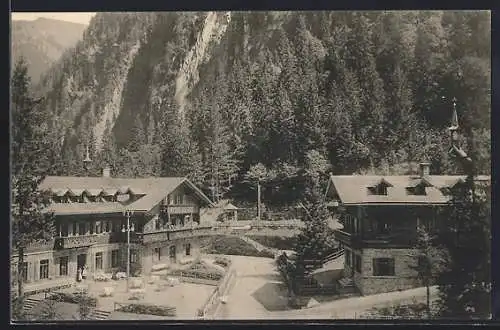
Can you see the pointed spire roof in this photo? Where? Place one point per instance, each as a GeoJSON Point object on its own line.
{"type": "Point", "coordinates": [454, 118]}
{"type": "Point", "coordinates": [87, 156]}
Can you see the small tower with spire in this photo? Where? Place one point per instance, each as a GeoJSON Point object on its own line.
{"type": "Point", "coordinates": [454, 124]}
{"type": "Point", "coordinates": [455, 148]}
{"type": "Point", "coordinates": [87, 160]}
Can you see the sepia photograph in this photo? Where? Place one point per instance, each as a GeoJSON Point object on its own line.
{"type": "Point", "coordinates": [250, 165]}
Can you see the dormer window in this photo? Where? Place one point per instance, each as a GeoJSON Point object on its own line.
{"type": "Point", "coordinates": [379, 188]}
{"type": "Point", "coordinates": [418, 187]}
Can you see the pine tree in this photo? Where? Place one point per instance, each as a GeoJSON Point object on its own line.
{"type": "Point", "coordinates": [465, 286]}
{"type": "Point", "coordinates": [427, 260]}
{"type": "Point", "coordinates": [29, 154]}
{"type": "Point", "coordinates": [179, 153]}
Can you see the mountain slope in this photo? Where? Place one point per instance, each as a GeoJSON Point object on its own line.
{"type": "Point", "coordinates": [179, 93]}
{"type": "Point", "coordinates": [42, 42]}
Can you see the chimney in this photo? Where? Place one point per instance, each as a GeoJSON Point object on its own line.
{"type": "Point", "coordinates": [424, 169]}
{"type": "Point", "coordinates": [106, 172]}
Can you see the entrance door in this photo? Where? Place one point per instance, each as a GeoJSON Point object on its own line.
{"type": "Point", "coordinates": [81, 260]}
{"type": "Point", "coordinates": [172, 254]}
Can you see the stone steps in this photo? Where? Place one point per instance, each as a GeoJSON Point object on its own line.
{"type": "Point", "coordinates": [100, 314]}
{"type": "Point", "coordinates": [29, 303]}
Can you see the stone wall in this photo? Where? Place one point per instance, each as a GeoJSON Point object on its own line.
{"type": "Point", "coordinates": [150, 258]}
{"type": "Point", "coordinates": [404, 277]}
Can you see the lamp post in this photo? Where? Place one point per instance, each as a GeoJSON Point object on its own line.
{"type": "Point", "coordinates": [129, 228]}
{"type": "Point", "coordinates": [87, 161]}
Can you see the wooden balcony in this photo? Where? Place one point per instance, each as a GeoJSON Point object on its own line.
{"type": "Point", "coordinates": [395, 238]}
{"type": "Point", "coordinates": [183, 209]}
{"type": "Point", "coordinates": [178, 232]}
{"type": "Point", "coordinates": [342, 236]}
{"type": "Point", "coordinates": [83, 240]}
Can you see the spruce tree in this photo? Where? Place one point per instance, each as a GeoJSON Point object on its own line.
{"type": "Point", "coordinates": [465, 285]}
{"type": "Point", "coordinates": [29, 153]}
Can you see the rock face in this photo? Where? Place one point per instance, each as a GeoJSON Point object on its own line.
{"type": "Point", "coordinates": [213, 84]}
{"type": "Point", "coordinates": [42, 42]}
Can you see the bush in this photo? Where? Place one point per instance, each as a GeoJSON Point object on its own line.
{"type": "Point", "coordinates": [148, 310]}
{"type": "Point", "coordinates": [221, 261]}
{"type": "Point", "coordinates": [276, 242]}
{"type": "Point", "coordinates": [265, 254]}
{"type": "Point", "coordinates": [73, 298]}
{"type": "Point", "coordinates": [231, 245]}
{"type": "Point", "coordinates": [408, 311]}
{"type": "Point", "coordinates": [201, 274]}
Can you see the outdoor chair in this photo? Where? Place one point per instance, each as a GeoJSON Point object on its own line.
{"type": "Point", "coordinates": [136, 294]}
{"type": "Point", "coordinates": [108, 291]}
{"type": "Point", "coordinates": [136, 283]}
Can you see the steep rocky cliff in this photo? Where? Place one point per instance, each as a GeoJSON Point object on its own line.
{"type": "Point", "coordinates": [367, 90]}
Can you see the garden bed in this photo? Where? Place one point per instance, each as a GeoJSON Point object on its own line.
{"type": "Point", "coordinates": [73, 298]}
{"type": "Point", "coordinates": [146, 309]}
{"type": "Point", "coordinates": [275, 242]}
{"type": "Point", "coordinates": [230, 245]}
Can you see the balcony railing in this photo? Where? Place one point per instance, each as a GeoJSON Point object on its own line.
{"type": "Point", "coordinates": [395, 237]}
{"type": "Point", "coordinates": [82, 241]}
{"type": "Point", "coordinates": [182, 209]}
{"type": "Point", "coordinates": [176, 232]}
{"type": "Point", "coordinates": [342, 236]}
{"type": "Point", "coordinates": [398, 237]}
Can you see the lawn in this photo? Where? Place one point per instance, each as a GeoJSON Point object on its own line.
{"type": "Point", "coordinates": [276, 242]}
{"type": "Point", "coordinates": [231, 245]}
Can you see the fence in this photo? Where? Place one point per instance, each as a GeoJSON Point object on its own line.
{"type": "Point", "coordinates": [213, 301]}
{"type": "Point", "coordinates": [334, 255]}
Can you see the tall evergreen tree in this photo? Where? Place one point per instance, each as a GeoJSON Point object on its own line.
{"type": "Point", "coordinates": [29, 154]}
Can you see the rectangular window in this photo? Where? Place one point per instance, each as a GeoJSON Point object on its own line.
{"type": "Point", "coordinates": [64, 230]}
{"type": "Point", "coordinates": [81, 228]}
{"type": "Point", "coordinates": [383, 267]}
{"type": "Point", "coordinates": [357, 262]}
{"type": "Point", "coordinates": [188, 249]}
{"type": "Point", "coordinates": [98, 260]}
{"type": "Point", "coordinates": [44, 269]}
{"type": "Point", "coordinates": [157, 254]}
{"type": "Point", "coordinates": [107, 226]}
{"type": "Point", "coordinates": [115, 258]}
{"type": "Point", "coordinates": [98, 227]}
{"type": "Point", "coordinates": [75, 228]}
{"type": "Point", "coordinates": [133, 256]}
{"type": "Point", "coordinates": [179, 199]}
{"type": "Point", "coordinates": [24, 269]}
{"type": "Point", "coordinates": [92, 227]}
{"type": "Point", "coordinates": [63, 266]}
{"type": "Point", "coordinates": [348, 258]}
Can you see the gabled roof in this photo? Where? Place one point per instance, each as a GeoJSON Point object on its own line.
{"type": "Point", "coordinates": [230, 207]}
{"type": "Point", "coordinates": [352, 189]}
{"type": "Point", "coordinates": [154, 190]}
{"type": "Point", "coordinates": [86, 208]}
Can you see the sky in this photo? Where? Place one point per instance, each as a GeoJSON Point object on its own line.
{"type": "Point", "coordinates": [82, 18]}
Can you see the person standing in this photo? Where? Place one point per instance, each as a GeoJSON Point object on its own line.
{"type": "Point", "coordinates": [79, 275]}
{"type": "Point", "coordinates": [84, 272]}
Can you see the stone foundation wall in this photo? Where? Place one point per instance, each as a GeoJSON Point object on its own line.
{"type": "Point", "coordinates": [150, 258]}
{"type": "Point", "coordinates": [404, 277]}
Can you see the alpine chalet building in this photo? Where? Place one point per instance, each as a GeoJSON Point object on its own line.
{"type": "Point", "coordinates": [166, 217]}
{"type": "Point", "coordinates": [380, 216]}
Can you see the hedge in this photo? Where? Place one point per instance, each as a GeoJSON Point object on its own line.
{"type": "Point", "coordinates": [73, 298]}
{"type": "Point", "coordinates": [148, 309]}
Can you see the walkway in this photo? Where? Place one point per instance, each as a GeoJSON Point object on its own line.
{"type": "Point", "coordinates": [259, 284]}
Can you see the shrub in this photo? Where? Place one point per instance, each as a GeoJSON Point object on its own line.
{"type": "Point", "coordinates": [221, 261]}
{"type": "Point", "coordinates": [201, 274]}
{"type": "Point", "coordinates": [233, 246]}
{"type": "Point", "coordinates": [148, 310]}
{"type": "Point", "coordinates": [276, 242]}
{"type": "Point", "coordinates": [265, 254]}
{"type": "Point", "coordinates": [74, 298]}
